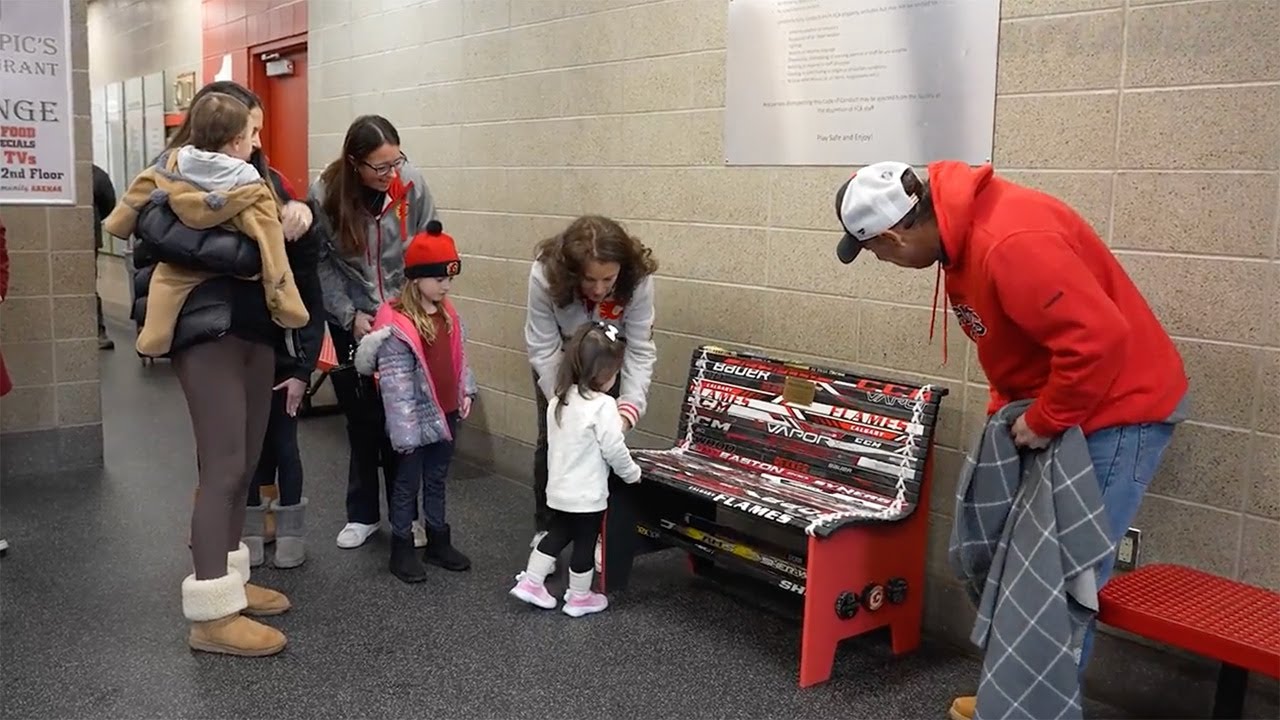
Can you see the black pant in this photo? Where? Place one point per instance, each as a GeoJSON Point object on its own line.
{"type": "Point", "coordinates": [541, 514]}
{"type": "Point", "coordinates": [580, 529]}
{"type": "Point", "coordinates": [366, 433]}
{"type": "Point", "coordinates": [281, 462]}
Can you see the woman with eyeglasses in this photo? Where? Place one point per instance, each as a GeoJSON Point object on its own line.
{"type": "Point", "coordinates": [373, 202]}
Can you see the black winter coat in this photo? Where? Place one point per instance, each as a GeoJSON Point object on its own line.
{"type": "Point", "coordinates": [226, 305]}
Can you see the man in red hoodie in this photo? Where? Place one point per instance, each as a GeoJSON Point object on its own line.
{"type": "Point", "coordinates": [1055, 317]}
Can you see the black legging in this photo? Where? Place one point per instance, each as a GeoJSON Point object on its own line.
{"type": "Point", "coordinates": [580, 529]}
{"type": "Point", "coordinates": [366, 433]}
{"type": "Point", "coordinates": [281, 461]}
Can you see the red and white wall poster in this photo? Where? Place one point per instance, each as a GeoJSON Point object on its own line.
{"type": "Point", "coordinates": [37, 121]}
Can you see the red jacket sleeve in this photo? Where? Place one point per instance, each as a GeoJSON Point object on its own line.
{"type": "Point", "coordinates": [1045, 288]}
{"type": "Point", "coordinates": [283, 184]}
{"type": "Point", "coordinates": [4, 263]}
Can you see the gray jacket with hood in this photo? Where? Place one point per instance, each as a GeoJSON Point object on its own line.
{"type": "Point", "coordinates": [364, 282]}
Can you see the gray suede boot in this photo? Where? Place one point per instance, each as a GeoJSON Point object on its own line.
{"type": "Point", "coordinates": [254, 531]}
{"type": "Point", "coordinates": [291, 549]}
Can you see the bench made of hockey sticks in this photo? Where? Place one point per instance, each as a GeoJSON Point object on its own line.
{"type": "Point", "coordinates": [807, 479]}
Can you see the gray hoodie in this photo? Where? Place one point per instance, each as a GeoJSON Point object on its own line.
{"type": "Point", "coordinates": [366, 281]}
{"type": "Point", "coordinates": [214, 170]}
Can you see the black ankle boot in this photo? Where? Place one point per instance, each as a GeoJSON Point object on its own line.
{"type": "Point", "coordinates": [404, 561]}
{"type": "Point", "coordinates": [440, 550]}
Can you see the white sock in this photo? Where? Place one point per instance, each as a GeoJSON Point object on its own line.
{"type": "Point", "coordinates": [580, 583]}
{"type": "Point", "coordinates": [540, 566]}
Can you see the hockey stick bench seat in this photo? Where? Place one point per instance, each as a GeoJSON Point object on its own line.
{"type": "Point", "coordinates": [811, 480]}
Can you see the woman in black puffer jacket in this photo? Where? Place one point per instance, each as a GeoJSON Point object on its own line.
{"type": "Point", "coordinates": [224, 352]}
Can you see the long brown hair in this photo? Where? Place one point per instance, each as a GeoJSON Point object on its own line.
{"type": "Point", "coordinates": [593, 355]}
{"type": "Point", "coordinates": [593, 237]}
{"type": "Point", "coordinates": [413, 305]}
{"type": "Point", "coordinates": [342, 197]}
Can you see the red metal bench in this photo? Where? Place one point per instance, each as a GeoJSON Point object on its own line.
{"type": "Point", "coordinates": [1228, 621]}
{"type": "Point", "coordinates": [806, 479]}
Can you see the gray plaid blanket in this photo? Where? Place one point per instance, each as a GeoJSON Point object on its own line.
{"type": "Point", "coordinates": [1029, 533]}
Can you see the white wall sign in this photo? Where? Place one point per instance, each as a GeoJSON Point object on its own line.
{"type": "Point", "coordinates": [852, 82]}
{"type": "Point", "coordinates": [37, 123]}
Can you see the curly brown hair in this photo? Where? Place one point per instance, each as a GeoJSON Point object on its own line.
{"type": "Point", "coordinates": [593, 237]}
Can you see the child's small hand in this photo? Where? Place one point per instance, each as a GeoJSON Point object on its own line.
{"type": "Point", "coordinates": [465, 410]}
{"type": "Point", "coordinates": [296, 219]}
{"type": "Point", "coordinates": [362, 326]}
{"type": "Point", "coordinates": [626, 422]}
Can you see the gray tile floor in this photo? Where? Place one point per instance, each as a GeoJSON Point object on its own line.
{"type": "Point", "coordinates": [92, 624]}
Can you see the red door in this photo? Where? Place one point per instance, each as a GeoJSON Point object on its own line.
{"type": "Point", "coordinates": [284, 97]}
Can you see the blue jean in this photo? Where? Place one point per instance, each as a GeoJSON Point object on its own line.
{"type": "Point", "coordinates": [1125, 458]}
{"type": "Point", "coordinates": [422, 470]}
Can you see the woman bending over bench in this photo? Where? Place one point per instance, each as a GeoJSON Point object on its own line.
{"type": "Point", "coordinates": [593, 270]}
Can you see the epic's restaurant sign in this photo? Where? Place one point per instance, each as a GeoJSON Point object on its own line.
{"type": "Point", "coordinates": [37, 137]}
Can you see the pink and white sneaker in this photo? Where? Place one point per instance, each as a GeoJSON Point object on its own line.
{"type": "Point", "coordinates": [533, 592]}
{"type": "Point", "coordinates": [579, 604]}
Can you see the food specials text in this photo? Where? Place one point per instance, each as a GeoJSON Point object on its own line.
{"type": "Point", "coordinates": [36, 142]}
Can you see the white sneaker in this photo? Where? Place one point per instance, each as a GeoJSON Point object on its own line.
{"type": "Point", "coordinates": [419, 534]}
{"type": "Point", "coordinates": [353, 535]}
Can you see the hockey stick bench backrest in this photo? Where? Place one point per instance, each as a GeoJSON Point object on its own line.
{"type": "Point", "coordinates": [858, 440]}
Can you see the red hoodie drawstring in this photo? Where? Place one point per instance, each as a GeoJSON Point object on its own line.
{"type": "Point", "coordinates": [933, 314]}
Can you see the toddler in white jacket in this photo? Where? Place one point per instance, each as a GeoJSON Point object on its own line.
{"type": "Point", "coordinates": [584, 441]}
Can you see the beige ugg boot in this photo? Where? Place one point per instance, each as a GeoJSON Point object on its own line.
{"type": "Point", "coordinates": [213, 606]}
{"type": "Point", "coordinates": [962, 707]}
{"type": "Point", "coordinates": [259, 601]}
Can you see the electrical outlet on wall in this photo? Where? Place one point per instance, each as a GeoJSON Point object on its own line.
{"type": "Point", "coordinates": [1127, 551]}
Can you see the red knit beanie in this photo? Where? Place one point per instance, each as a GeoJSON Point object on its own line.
{"type": "Point", "coordinates": [431, 254]}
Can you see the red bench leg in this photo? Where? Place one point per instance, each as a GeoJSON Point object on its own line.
{"type": "Point", "coordinates": [845, 564]}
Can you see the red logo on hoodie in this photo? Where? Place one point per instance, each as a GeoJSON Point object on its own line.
{"type": "Point", "coordinates": [970, 321]}
{"type": "Point", "coordinates": [610, 310]}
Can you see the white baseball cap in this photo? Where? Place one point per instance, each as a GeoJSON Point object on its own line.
{"type": "Point", "coordinates": [869, 203]}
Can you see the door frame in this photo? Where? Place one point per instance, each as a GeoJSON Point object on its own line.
{"type": "Point", "coordinates": [258, 68]}
{"type": "Point", "coordinates": [258, 79]}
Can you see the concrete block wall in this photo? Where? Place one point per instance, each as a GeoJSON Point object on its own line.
{"type": "Point", "coordinates": [1155, 118]}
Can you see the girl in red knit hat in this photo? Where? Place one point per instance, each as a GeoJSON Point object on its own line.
{"type": "Point", "coordinates": [415, 352]}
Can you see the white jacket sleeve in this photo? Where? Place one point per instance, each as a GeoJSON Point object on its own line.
{"type": "Point", "coordinates": [542, 331]}
{"type": "Point", "coordinates": [642, 353]}
{"type": "Point", "coordinates": [608, 430]}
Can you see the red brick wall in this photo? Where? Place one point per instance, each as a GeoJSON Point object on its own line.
{"type": "Point", "coordinates": [234, 26]}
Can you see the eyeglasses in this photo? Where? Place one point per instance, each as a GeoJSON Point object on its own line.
{"type": "Point", "coordinates": [388, 168]}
